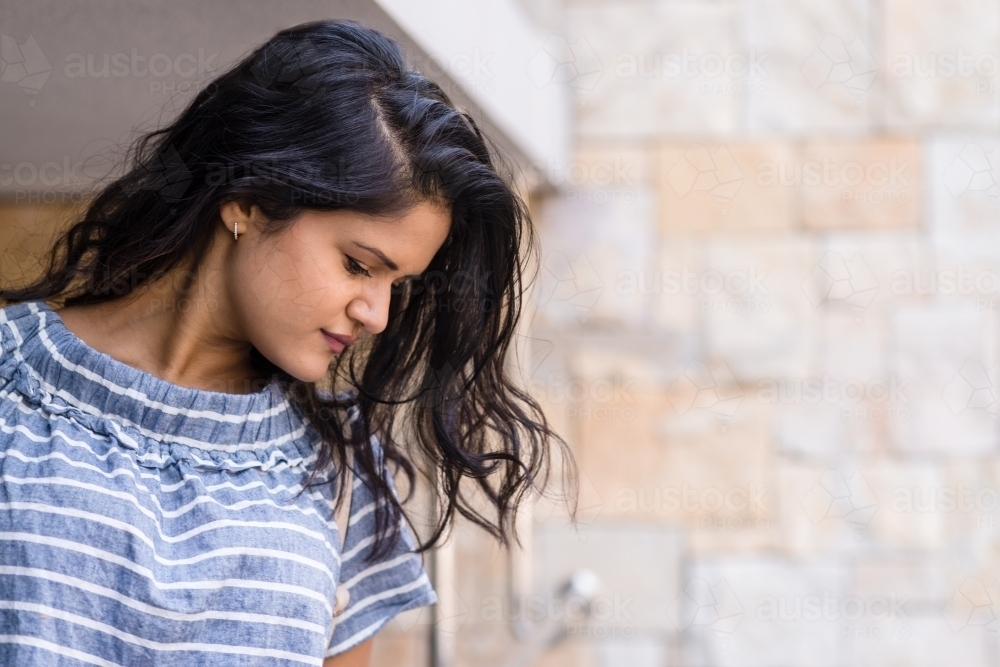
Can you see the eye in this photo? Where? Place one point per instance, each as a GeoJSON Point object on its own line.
{"type": "Point", "coordinates": [355, 268]}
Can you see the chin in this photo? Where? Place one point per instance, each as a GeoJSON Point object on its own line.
{"type": "Point", "coordinates": [311, 375]}
{"type": "Point", "coordinates": [312, 370]}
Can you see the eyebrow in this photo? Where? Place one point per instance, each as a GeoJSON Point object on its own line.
{"type": "Point", "coordinates": [385, 260]}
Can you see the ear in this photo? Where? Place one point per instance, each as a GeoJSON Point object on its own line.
{"type": "Point", "coordinates": [236, 213]}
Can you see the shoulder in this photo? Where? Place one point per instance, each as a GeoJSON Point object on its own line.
{"type": "Point", "coordinates": [20, 347]}
{"type": "Point", "coordinates": [18, 322]}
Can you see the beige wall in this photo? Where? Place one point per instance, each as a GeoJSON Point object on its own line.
{"type": "Point", "coordinates": [800, 420]}
{"type": "Point", "coordinates": [26, 233]}
{"type": "Point", "coordinates": [767, 325]}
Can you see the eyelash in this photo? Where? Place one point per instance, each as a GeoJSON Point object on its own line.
{"type": "Point", "coordinates": [355, 268]}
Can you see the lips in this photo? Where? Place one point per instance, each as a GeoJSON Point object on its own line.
{"type": "Point", "coordinates": [337, 342]}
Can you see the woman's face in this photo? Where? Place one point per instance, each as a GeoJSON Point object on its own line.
{"type": "Point", "coordinates": [329, 272]}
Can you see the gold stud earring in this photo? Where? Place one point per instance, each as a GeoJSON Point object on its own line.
{"type": "Point", "coordinates": [235, 236]}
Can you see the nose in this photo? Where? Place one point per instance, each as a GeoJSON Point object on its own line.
{"type": "Point", "coordinates": [371, 309]}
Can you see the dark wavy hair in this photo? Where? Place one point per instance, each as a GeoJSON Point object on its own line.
{"type": "Point", "coordinates": [327, 115]}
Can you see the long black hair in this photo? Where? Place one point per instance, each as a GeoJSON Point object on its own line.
{"type": "Point", "coordinates": [327, 115]}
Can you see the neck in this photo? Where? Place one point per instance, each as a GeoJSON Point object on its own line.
{"type": "Point", "coordinates": [180, 328]}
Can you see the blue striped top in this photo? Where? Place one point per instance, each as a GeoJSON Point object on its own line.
{"type": "Point", "coordinates": [144, 523]}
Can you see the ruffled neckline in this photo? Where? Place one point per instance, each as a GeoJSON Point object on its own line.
{"type": "Point", "coordinates": [56, 370]}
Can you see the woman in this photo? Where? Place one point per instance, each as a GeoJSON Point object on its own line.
{"type": "Point", "coordinates": [315, 269]}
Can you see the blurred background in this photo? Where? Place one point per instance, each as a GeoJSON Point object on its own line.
{"type": "Point", "coordinates": [765, 316]}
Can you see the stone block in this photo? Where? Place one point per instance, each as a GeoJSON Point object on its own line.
{"type": "Point", "coordinates": [822, 65]}
{"type": "Point", "coordinates": [942, 63]}
{"type": "Point", "coordinates": [712, 187]}
{"type": "Point", "coordinates": [637, 652]}
{"type": "Point", "coordinates": [825, 507]}
{"type": "Point", "coordinates": [585, 243]}
{"type": "Point", "coordinates": [947, 357]}
{"type": "Point", "coordinates": [609, 164]}
{"type": "Point", "coordinates": [674, 283]}
{"type": "Point", "coordinates": [637, 566]}
{"type": "Point", "coordinates": [963, 196]}
{"type": "Point", "coordinates": [856, 281]}
{"type": "Point", "coordinates": [677, 460]}
{"type": "Point", "coordinates": [918, 578]}
{"type": "Point", "coordinates": [761, 323]}
{"type": "Point", "coordinates": [395, 647]}
{"type": "Point", "coordinates": [612, 364]}
{"type": "Point", "coordinates": [852, 349]}
{"type": "Point", "coordinates": [867, 184]}
{"type": "Point", "coordinates": [969, 501]}
{"type": "Point", "coordinates": [866, 274]}
{"type": "Point", "coordinates": [906, 517]}
{"type": "Point", "coordinates": [622, 450]}
{"type": "Point", "coordinates": [921, 642]}
{"type": "Point", "coordinates": [572, 652]}
{"type": "Point", "coordinates": [648, 70]}
{"type": "Point", "coordinates": [761, 611]}
{"type": "Point", "coordinates": [805, 429]}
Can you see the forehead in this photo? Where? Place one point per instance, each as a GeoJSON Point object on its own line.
{"type": "Point", "coordinates": [410, 238]}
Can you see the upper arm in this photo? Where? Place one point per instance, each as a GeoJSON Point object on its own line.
{"type": "Point", "coordinates": [358, 656]}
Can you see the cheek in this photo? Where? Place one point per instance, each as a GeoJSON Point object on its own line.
{"type": "Point", "coordinates": [291, 281]}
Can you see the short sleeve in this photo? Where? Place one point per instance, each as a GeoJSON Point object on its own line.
{"type": "Point", "coordinates": [379, 589]}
